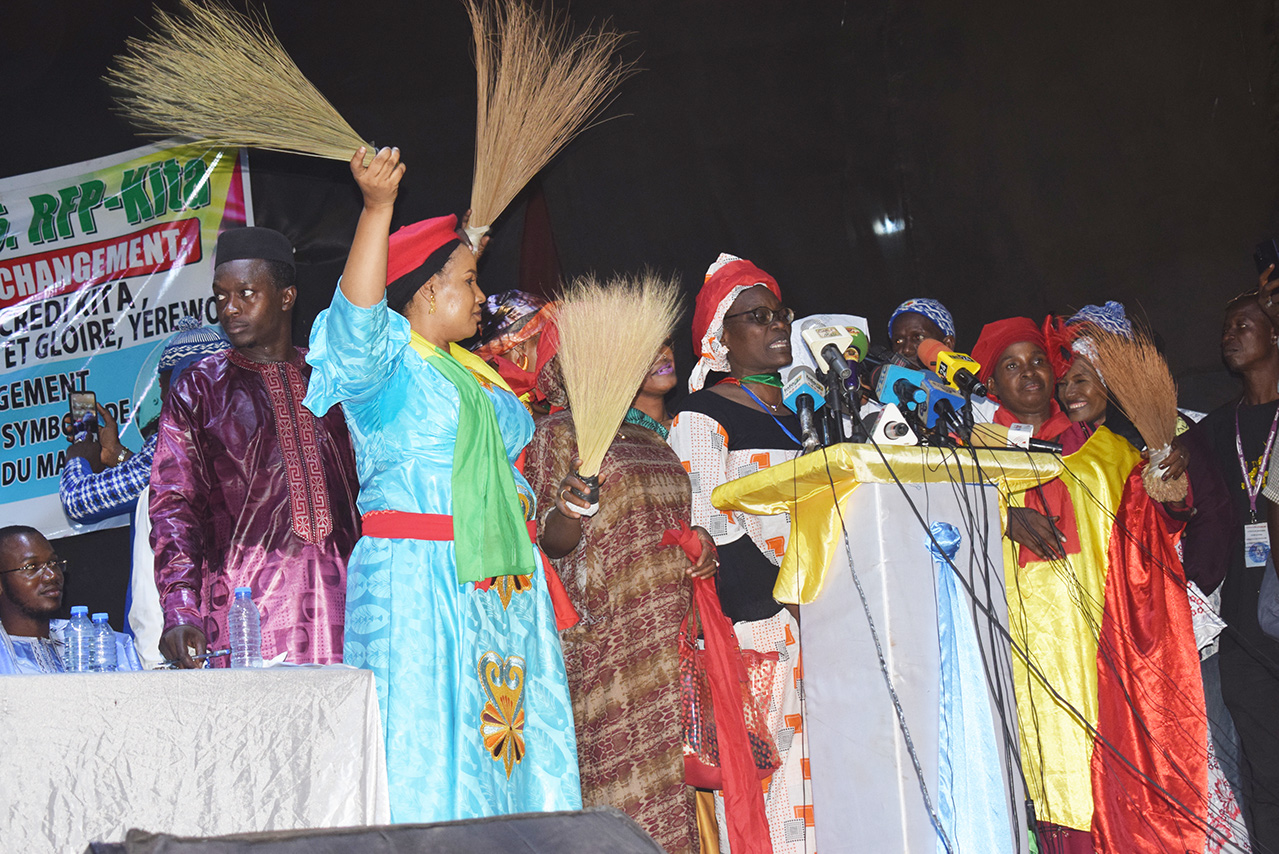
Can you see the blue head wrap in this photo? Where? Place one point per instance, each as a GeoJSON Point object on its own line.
{"type": "Point", "coordinates": [191, 343]}
{"type": "Point", "coordinates": [1110, 317]}
{"type": "Point", "coordinates": [930, 308]}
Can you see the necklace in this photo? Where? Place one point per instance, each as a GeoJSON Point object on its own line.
{"type": "Point", "coordinates": [774, 380]}
{"type": "Point", "coordinates": [643, 419]}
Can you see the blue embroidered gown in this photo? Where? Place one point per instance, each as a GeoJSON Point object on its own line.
{"type": "Point", "coordinates": [475, 706]}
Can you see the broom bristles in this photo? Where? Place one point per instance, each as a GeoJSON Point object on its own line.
{"type": "Point", "coordinates": [1139, 381]}
{"type": "Point", "coordinates": [537, 87]}
{"type": "Point", "coordinates": [222, 76]}
{"type": "Point", "coordinates": [609, 336]}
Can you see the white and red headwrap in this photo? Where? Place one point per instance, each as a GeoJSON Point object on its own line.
{"type": "Point", "coordinates": [725, 281]}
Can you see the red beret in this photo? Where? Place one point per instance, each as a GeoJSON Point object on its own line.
{"type": "Point", "coordinates": [997, 337]}
{"type": "Point", "coordinates": [413, 244]}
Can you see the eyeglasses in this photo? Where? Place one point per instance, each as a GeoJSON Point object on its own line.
{"type": "Point", "coordinates": [763, 315]}
{"type": "Point", "coordinates": [35, 570]}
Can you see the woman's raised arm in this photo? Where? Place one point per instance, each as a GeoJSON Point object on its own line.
{"type": "Point", "coordinates": [364, 277]}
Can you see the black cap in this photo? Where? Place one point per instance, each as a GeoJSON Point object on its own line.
{"type": "Point", "coordinates": [254, 244]}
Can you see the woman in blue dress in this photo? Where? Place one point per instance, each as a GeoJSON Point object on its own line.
{"type": "Point", "coordinates": [447, 600]}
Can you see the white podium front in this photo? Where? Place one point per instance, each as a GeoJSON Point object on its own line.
{"type": "Point", "coordinates": [867, 795]}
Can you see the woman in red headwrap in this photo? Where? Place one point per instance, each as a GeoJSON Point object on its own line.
{"type": "Point", "coordinates": [1102, 616]}
{"type": "Point", "coordinates": [447, 596]}
{"type": "Point", "coordinates": [726, 431]}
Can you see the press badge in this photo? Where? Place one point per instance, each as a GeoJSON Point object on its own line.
{"type": "Point", "coordinates": [1256, 544]}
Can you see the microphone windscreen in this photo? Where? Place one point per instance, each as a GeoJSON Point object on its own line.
{"type": "Point", "coordinates": [928, 351]}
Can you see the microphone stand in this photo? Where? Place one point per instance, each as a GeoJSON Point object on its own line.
{"type": "Point", "coordinates": [835, 409]}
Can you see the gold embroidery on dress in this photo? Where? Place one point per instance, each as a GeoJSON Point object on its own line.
{"type": "Point", "coordinates": [508, 585]}
{"type": "Point", "coordinates": [482, 380]}
{"type": "Point", "coordinates": [502, 720]}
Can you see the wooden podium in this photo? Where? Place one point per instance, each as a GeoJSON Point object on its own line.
{"type": "Point", "coordinates": [867, 794]}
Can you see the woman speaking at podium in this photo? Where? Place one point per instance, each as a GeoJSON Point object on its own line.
{"type": "Point", "coordinates": [735, 428]}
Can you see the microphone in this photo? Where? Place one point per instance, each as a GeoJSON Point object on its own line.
{"type": "Point", "coordinates": [807, 427]}
{"type": "Point", "coordinates": [849, 341]}
{"type": "Point", "coordinates": [819, 338]}
{"type": "Point", "coordinates": [958, 370]}
{"type": "Point", "coordinates": [902, 386]}
{"type": "Point", "coordinates": [839, 366]}
{"type": "Point", "coordinates": [802, 380]}
{"type": "Point", "coordinates": [1017, 436]}
{"type": "Point", "coordinates": [890, 427]}
{"type": "Point", "coordinates": [941, 403]}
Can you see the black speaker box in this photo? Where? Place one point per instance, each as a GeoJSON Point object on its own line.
{"type": "Point", "coordinates": [593, 830]}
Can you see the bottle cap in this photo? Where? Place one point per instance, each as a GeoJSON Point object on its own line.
{"type": "Point", "coordinates": [77, 610]}
{"type": "Point", "coordinates": [244, 591]}
{"type": "Point", "coordinates": [100, 617]}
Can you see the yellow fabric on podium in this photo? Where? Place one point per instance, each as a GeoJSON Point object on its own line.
{"type": "Point", "coordinates": [808, 487]}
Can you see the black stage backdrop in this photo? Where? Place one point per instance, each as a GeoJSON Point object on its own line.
{"type": "Point", "coordinates": [1003, 157]}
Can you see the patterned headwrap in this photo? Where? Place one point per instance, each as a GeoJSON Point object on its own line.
{"type": "Point", "coordinates": [930, 308]}
{"type": "Point", "coordinates": [191, 343]}
{"type": "Point", "coordinates": [510, 318]}
{"type": "Point", "coordinates": [1111, 317]}
{"type": "Point", "coordinates": [725, 281]}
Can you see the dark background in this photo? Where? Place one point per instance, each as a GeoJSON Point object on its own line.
{"type": "Point", "coordinates": [1040, 156]}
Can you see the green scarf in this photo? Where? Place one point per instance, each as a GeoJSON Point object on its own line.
{"type": "Point", "coordinates": [775, 380]}
{"type": "Point", "coordinates": [490, 537]}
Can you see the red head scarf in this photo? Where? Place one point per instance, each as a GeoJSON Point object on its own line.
{"type": "Point", "coordinates": [997, 337]}
{"type": "Point", "coordinates": [725, 279]}
{"type": "Point", "coordinates": [418, 252]}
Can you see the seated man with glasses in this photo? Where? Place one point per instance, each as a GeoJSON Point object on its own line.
{"type": "Point", "coordinates": [30, 594]}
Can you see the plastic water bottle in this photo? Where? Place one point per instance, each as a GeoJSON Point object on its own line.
{"type": "Point", "coordinates": [244, 624]}
{"type": "Point", "coordinates": [104, 659]}
{"type": "Point", "coordinates": [79, 641]}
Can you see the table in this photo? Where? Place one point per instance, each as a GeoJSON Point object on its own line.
{"type": "Point", "coordinates": [195, 752]}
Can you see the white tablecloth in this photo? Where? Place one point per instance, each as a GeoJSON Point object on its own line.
{"type": "Point", "coordinates": [199, 752]}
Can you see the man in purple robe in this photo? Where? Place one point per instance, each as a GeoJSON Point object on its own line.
{"type": "Point", "coordinates": [248, 487]}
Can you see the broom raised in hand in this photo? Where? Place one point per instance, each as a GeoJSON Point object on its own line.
{"type": "Point", "coordinates": [217, 75]}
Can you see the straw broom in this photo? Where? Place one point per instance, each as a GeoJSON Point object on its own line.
{"type": "Point", "coordinates": [609, 336]}
{"type": "Point", "coordinates": [1139, 381]}
{"type": "Point", "coordinates": [537, 86]}
{"type": "Point", "coordinates": [224, 77]}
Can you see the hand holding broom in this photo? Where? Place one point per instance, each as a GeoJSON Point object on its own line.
{"type": "Point", "coordinates": [364, 276]}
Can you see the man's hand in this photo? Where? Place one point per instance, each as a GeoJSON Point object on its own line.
{"type": "Point", "coordinates": [1268, 295]}
{"type": "Point", "coordinates": [380, 180]}
{"type": "Point", "coordinates": [1036, 532]}
{"type": "Point", "coordinates": [708, 564]}
{"type": "Point", "coordinates": [87, 450]}
{"type": "Point", "coordinates": [109, 439]}
{"type": "Point", "coordinates": [180, 643]}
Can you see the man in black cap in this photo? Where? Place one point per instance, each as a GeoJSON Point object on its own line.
{"type": "Point", "coordinates": [248, 488]}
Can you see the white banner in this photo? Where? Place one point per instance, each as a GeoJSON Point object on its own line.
{"type": "Point", "coordinates": [98, 263]}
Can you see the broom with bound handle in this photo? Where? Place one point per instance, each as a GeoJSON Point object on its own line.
{"type": "Point", "coordinates": [1138, 379]}
{"type": "Point", "coordinates": [609, 336]}
{"type": "Point", "coordinates": [537, 86]}
{"type": "Point", "coordinates": [222, 76]}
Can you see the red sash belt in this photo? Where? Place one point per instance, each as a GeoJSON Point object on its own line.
{"type": "Point", "coordinates": [397, 525]}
